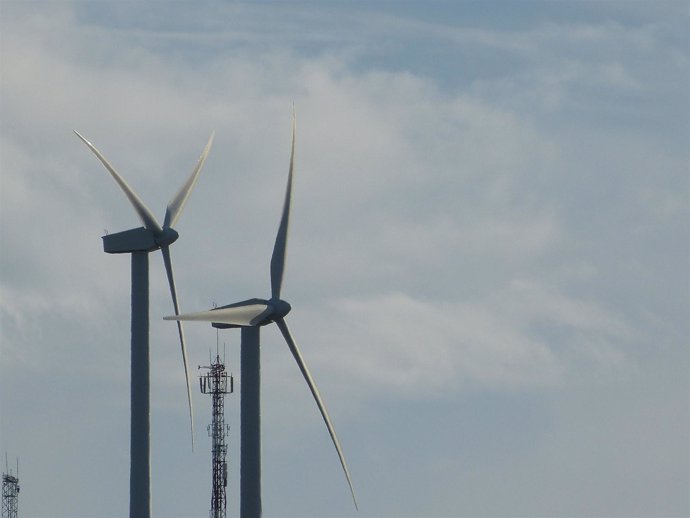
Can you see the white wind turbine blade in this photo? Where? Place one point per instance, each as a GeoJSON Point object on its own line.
{"type": "Point", "coordinates": [245, 315]}
{"type": "Point", "coordinates": [175, 207]}
{"type": "Point", "coordinates": [280, 246]}
{"type": "Point", "coordinates": [165, 250]}
{"type": "Point", "coordinates": [145, 215]}
{"type": "Point", "coordinates": [317, 397]}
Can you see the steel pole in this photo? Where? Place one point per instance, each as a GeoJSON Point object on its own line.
{"type": "Point", "coordinates": [140, 469]}
{"type": "Point", "coordinates": [250, 424]}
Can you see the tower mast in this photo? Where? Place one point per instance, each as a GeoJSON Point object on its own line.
{"type": "Point", "coordinates": [10, 492]}
{"type": "Point", "coordinates": [217, 382]}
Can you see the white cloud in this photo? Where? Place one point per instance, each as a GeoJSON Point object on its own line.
{"type": "Point", "coordinates": [525, 335]}
{"type": "Point", "coordinates": [453, 239]}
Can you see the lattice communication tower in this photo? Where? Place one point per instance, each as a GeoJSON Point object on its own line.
{"type": "Point", "coordinates": [217, 382]}
{"type": "Point", "coordinates": [10, 492]}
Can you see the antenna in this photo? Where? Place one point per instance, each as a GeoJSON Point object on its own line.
{"type": "Point", "coordinates": [217, 382]}
{"type": "Point", "coordinates": [10, 491]}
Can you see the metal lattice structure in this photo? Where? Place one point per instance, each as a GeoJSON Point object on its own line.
{"type": "Point", "coordinates": [10, 493]}
{"type": "Point", "coordinates": [217, 382]}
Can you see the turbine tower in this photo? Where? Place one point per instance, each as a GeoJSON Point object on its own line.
{"type": "Point", "coordinates": [250, 315]}
{"type": "Point", "coordinates": [217, 383]}
{"type": "Point", "coordinates": [139, 242]}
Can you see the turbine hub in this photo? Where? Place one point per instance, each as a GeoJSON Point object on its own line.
{"type": "Point", "coordinates": [167, 237]}
{"type": "Point", "coordinates": [280, 308]}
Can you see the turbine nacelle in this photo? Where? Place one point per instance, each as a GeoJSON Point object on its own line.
{"type": "Point", "coordinates": [139, 239]}
{"type": "Point", "coordinates": [128, 241]}
{"type": "Point", "coordinates": [247, 313]}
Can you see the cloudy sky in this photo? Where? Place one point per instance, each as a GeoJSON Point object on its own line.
{"type": "Point", "coordinates": [488, 263]}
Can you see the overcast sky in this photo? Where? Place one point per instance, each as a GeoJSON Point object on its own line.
{"type": "Point", "coordinates": [488, 259]}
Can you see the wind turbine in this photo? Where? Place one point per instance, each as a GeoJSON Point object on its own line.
{"type": "Point", "coordinates": [250, 315]}
{"type": "Point", "coordinates": [139, 242]}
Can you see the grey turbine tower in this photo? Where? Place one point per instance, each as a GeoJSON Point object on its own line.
{"type": "Point", "coordinates": [139, 242]}
{"type": "Point", "coordinates": [250, 315]}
